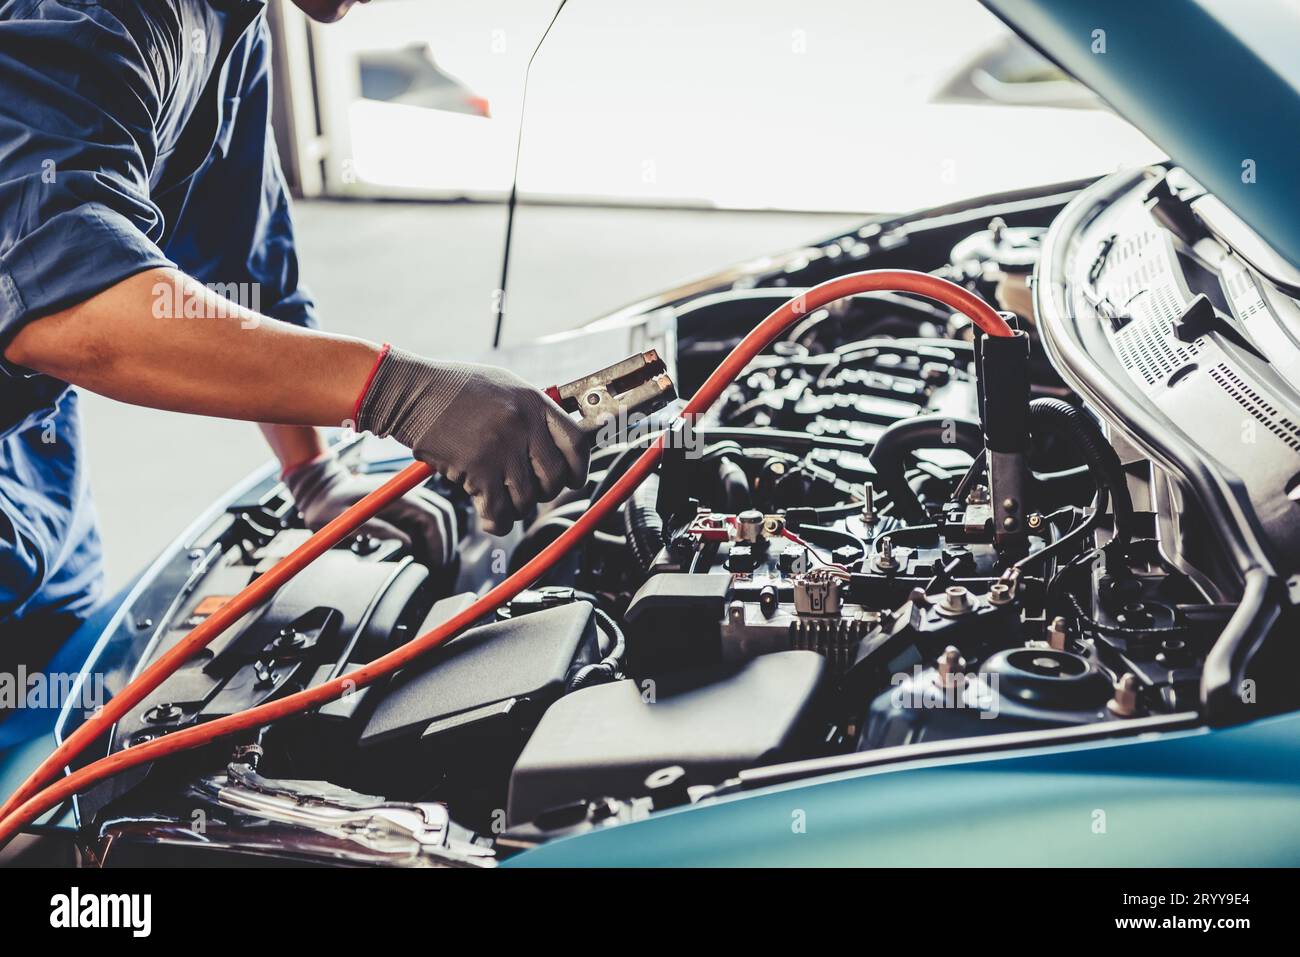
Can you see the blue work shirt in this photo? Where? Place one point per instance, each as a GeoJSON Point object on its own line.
{"type": "Point", "coordinates": [134, 134]}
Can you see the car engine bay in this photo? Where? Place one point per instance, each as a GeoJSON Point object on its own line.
{"type": "Point", "coordinates": [892, 537]}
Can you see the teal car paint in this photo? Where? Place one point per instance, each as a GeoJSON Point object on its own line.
{"type": "Point", "coordinates": [1196, 798]}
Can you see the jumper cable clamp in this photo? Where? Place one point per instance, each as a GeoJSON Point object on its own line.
{"type": "Point", "coordinates": [638, 383]}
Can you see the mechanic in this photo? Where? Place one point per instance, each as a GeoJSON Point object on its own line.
{"type": "Point", "coordinates": [139, 177]}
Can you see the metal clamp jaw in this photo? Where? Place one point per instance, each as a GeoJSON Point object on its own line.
{"type": "Point", "coordinates": [638, 383]}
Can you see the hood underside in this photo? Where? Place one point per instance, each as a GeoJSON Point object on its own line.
{"type": "Point", "coordinates": [1216, 83]}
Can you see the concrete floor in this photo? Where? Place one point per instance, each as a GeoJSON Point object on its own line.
{"type": "Point", "coordinates": [422, 276]}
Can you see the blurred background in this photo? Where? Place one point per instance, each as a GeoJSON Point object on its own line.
{"type": "Point", "coordinates": [656, 142]}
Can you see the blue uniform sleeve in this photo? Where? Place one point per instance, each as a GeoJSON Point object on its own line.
{"type": "Point", "coordinates": [81, 88]}
{"type": "Point", "coordinates": [236, 232]}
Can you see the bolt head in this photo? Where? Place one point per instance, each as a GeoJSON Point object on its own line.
{"type": "Point", "coordinates": [163, 713]}
{"type": "Point", "coordinates": [956, 600]}
{"type": "Point", "coordinates": [1124, 702]}
{"type": "Point", "coordinates": [951, 665]}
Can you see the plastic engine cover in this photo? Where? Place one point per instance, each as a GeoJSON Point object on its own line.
{"type": "Point", "coordinates": [603, 741]}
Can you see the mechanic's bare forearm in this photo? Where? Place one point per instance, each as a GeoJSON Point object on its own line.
{"type": "Point", "coordinates": [163, 340]}
{"type": "Point", "coordinates": [293, 445]}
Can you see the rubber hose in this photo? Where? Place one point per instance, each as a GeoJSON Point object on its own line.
{"type": "Point", "coordinates": [597, 674]}
{"type": "Point", "coordinates": [889, 457]}
{"type": "Point", "coordinates": [645, 529]}
{"type": "Point", "coordinates": [619, 651]}
{"type": "Point", "coordinates": [1080, 430]}
{"type": "Point", "coordinates": [735, 484]}
{"type": "Point", "coordinates": [548, 530]}
{"type": "Point", "coordinates": [607, 669]}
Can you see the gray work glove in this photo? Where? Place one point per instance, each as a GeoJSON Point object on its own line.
{"type": "Point", "coordinates": [422, 519]}
{"type": "Point", "coordinates": [506, 443]}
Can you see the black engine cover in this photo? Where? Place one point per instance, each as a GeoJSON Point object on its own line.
{"type": "Point", "coordinates": [603, 741]}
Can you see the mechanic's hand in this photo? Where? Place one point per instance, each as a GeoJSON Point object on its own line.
{"type": "Point", "coordinates": [482, 427]}
{"type": "Point", "coordinates": [422, 519]}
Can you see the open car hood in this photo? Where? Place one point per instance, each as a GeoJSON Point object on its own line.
{"type": "Point", "coordinates": [1216, 83]}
